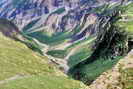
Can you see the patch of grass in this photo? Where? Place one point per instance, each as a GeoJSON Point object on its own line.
{"type": "Point", "coordinates": [57, 53]}
{"type": "Point", "coordinates": [128, 26]}
{"type": "Point", "coordinates": [128, 15]}
{"type": "Point", "coordinates": [89, 72]}
{"type": "Point", "coordinates": [30, 25]}
{"type": "Point", "coordinates": [17, 59]}
{"type": "Point", "coordinates": [50, 40]}
{"type": "Point", "coordinates": [59, 11]}
{"type": "Point", "coordinates": [81, 54]}
{"type": "Point", "coordinates": [43, 82]}
{"type": "Point", "coordinates": [82, 49]}
{"type": "Point", "coordinates": [88, 40]}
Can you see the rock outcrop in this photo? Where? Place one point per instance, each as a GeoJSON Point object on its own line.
{"type": "Point", "coordinates": [117, 77]}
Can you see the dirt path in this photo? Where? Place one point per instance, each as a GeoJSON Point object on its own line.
{"type": "Point", "coordinates": [12, 78]}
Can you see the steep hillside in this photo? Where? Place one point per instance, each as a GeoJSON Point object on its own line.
{"type": "Point", "coordinates": [57, 27]}
{"type": "Point", "coordinates": [82, 38]}
{"type": "Point", "coordinates": [21, 68]}
{"type": "Point", "coordinates": [23, 12]}
{"type": "Point", "coordinates": [48, 17]}
{"type": "Point", "coordinates": [113, 42]}
{"type": "Point", "coordinates": [119, 77]}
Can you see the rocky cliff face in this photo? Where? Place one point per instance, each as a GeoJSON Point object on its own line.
{"type": "Point", "coordinates": [52, 15]}
{"type": "Point", "coordinates": [24, 11]}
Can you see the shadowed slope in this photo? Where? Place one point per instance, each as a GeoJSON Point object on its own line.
{"type": "Point", "coordinates": [8, 28]}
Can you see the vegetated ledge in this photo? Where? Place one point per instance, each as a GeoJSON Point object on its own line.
{"type": "Point", "coordinates": [111, 45]}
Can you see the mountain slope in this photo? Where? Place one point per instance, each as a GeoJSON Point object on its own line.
{"type": "Point", "coordinates": [119, 77]}
{"type": "Point", "coordinates": [112, 43]}
{"type": "Point", "coordinates": [22, 68]}
{"type": "Point", "coordinates": [75, 34]}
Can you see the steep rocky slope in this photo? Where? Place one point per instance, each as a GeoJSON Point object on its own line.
{"type": "Point", "coordinates": [119, 77]}
{"type": "Point", "coordinates": [111, 44]}
{"type": "Point", "coordinates": [49, 15]}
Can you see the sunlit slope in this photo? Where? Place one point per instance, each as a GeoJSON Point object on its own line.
{"type": "Point", "coordinates": [127, 20]}
{"type": "Point", "coordinates": [16, 58]}
{"type": "Point", "coordinates": [21, 68]}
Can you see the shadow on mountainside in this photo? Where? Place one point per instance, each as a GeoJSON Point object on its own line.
{"type": "Point", "coordinates": [112, 44]}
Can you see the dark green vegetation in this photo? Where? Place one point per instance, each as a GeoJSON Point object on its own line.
{"type": "Point", "coordinates": [81, 54]}
{"type": "Point", "coordinates": [50, 40]}
{"type": "Point", "coordinates": [30, 42]}
{"type": "Point", "coordinates": [59, 11]}
{"type": "Point", "coordinates": [57, 53]}
{"type": "Point", "coordinates": [110, 45]}
{"type": "Point", "coordinates": [87, 73]}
